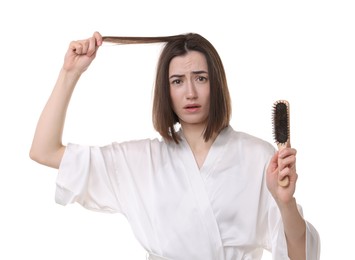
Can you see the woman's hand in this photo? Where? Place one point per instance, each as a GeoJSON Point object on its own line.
{"type": "Point", "coordinates": [81, 53]}
{"type": "Point", "coordinates": [282, 164]}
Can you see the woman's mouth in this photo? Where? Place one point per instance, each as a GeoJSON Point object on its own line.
{"type": "Point", "coordinates": [192, 107]}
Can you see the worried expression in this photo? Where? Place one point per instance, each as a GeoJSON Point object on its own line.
{"type": "Point", "coordinates": [190, 88]}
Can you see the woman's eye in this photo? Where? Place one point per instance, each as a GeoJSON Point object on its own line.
{"type": "Point", "coordinates": [176, 82]}
{"type": "Point", "coordinates": [202, 79]}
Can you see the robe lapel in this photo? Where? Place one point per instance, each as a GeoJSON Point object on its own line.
{"type": "Point", "coordinates": [216, 153]}
{"type": "Point", "coordinates": [196, 179]}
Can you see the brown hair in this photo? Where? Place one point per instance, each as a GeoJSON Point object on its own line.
{"type": "Point", "coordinates": [164, 118]}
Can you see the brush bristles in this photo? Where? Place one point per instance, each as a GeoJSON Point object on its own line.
{"type": "Point", "coordinates": [281, 122]}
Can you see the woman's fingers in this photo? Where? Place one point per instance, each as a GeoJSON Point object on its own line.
{"type": "Point", "coordinates": [88, 46]}
{"type": "Point", "coordinates": [98, 38]}
{"type": "Point", "coordinates": [81, 53]}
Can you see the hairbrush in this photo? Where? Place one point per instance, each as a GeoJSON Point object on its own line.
{"type": "Point", "coordinates": [281, 129]}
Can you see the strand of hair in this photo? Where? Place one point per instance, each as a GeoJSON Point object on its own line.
{"type": "Point", "coordinates": [139, 39]}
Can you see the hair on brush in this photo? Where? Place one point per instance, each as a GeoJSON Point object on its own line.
{"type": "Point", "coordinates": [281, 129]}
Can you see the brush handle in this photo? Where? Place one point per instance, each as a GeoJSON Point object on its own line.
{"type": "Point", "coordinates": [286, 180]}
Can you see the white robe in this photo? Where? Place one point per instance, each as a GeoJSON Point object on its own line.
{"type": "Point", "coordinates": [177, 211]}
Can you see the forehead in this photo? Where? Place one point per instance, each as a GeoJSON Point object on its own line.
{"type": "Point", "coordinates": [191, 61]}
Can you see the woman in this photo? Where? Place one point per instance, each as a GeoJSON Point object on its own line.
{"type": "Point", "coordinates": [204, 191]}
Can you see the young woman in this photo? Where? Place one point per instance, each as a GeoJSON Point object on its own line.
{"type": "Point", "coordinates": [202, 191]}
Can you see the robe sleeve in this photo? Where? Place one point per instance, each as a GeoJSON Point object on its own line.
{"type": "Point", "coordinates": [87, 176]}
{"type": "Point", "coordinates": [312, 242]}
{"type": "Point", "coordinates": [278, 240]}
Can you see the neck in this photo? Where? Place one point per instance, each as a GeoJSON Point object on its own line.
{"type": "Point", "coordinates": [194, 137]}
{"type": "Point", "coordinates": [197, 143]}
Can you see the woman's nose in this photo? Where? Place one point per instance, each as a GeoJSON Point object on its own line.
{"type": "Point", "coordinates": [191, 92]}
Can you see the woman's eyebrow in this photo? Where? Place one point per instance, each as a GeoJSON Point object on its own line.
{"type": "Point", "coordinates": [193, 72]}
{"type": "Point", "coordinates": [176, 76]}
{"type": "Point", "coordinates": [200, 72]}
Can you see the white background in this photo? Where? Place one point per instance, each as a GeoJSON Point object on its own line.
{"type": "Point", "coordinates": [302, 51]}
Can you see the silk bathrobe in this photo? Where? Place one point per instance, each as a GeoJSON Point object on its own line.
{"type": "Point", "coordinates": [222, 211]}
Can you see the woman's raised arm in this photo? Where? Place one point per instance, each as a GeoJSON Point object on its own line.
{"type": "Point", "coordinates": [47, 147]}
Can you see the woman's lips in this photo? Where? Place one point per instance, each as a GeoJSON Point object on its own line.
{"type": "Point", "coordinates": [192, 107]}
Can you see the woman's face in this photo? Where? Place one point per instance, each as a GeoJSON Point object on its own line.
{"type": "Point", "coordinates": [190, 88]}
